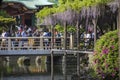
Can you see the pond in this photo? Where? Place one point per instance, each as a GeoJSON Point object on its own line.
{"type": "Point", "coordinates": [14, 69]}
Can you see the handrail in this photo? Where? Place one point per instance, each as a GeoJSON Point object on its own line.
{"type": "Point", "coordinates": [15, 43]}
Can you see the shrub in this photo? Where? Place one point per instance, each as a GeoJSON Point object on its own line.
{"type": "Point", "coordinates": [105, 58]}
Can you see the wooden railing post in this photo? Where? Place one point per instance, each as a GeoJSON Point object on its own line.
{"type": "Point", "coordinates": [41, 42]}
{"type": "Point", "coordinates": [71, 41]}
{"type": "Point", "coordinates": [62, 42]}
{"type": "Point", "coordinates": [9, 43]}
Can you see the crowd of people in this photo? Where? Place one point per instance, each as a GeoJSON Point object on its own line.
{"type": "Point", "coordinates": [25, 31]}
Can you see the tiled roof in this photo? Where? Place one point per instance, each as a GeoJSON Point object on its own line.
{"type": "Point", "coordinates": [31, 4]}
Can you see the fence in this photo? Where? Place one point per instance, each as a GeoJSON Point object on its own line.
{"type": "Point", "coordinates": [18, 43]}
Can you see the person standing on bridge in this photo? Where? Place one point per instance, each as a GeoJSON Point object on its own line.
{"type": "Point", "coordinates": [24, 40]}
{"type": "Point", "coordinates": [3, 43]}
{"type": "Point", "coordinates": [87, 37]}
{"type": "Point", "coordinates": [46, 39]}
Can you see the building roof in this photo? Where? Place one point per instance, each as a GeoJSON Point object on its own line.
{"type": "Point", "coordinates": [19, 7]}
{"type": "Point", "coordinates": [30, 4]}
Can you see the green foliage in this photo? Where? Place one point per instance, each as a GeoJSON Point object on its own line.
{"type": "Point", "coordinates": [61, 1]}
{"type": "Point", "coordinates": [63, 5]}
{"type": "Point", "coordinates": [60, 28]}
{"type": "Point", "coordinates": [3, 13]}
{"type": "Point", "coordinates": [6, 21]}
{"type": "Point", "coordinates": [102, 1]}
{"type": "Point", "coordinates": [71, 29]}
{"type": "Point", "coordinates": [45, 12]}
{"type": "Point", "coordinates": [105, 59]}
{"type": "Point", "coordinates": [54, 1]}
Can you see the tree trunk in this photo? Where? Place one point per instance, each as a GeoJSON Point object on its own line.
{"type": "Point", "coordinates": [65, 35]}
{"type": "Point", "coordinates": [95, 30]}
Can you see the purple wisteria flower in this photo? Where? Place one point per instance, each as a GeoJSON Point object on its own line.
{"type": "Point", "coordinates": [105, 51]}
{"type": "Point", "coordinates": [106, 65]}
{"type": "Point", "coordinates": [113, 74]}
{"type": "Point", "coordinates": [99, 71]}
{"type": "Point", "coordinates": [103, 75]}
{"type": "Point", "coordinates": [116, 69]}
{"type": "Point", "coordinates": [112, 47]}
{"type": "Point", "coordinates": [101, 55]}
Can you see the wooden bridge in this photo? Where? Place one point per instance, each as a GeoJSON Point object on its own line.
{"type": "Point", "coordinates": [39, 46]}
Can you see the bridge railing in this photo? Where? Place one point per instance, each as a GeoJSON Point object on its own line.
{"type": "Point", "coordinates": [18, 43]}
{"type": "Point", "coordinates": [15, 43]}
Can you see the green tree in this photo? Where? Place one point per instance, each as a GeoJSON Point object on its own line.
{"type": "Point", "coordinates": [76, 6]}
{"type": "Point", "coordinates": [73, 4]}
{"type": "Point", "coordinates": [5, 20]}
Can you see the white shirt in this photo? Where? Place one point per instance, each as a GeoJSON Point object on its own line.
{"type": "Point", "coordinates": [87, 37]}
{"type": "Point", "coordinates": [3, 35]}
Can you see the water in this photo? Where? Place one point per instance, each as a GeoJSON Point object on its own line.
{"type": "Point", "coordinates": [35, 70]}
{"type": "Point", "coordinates": [38, 77]}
